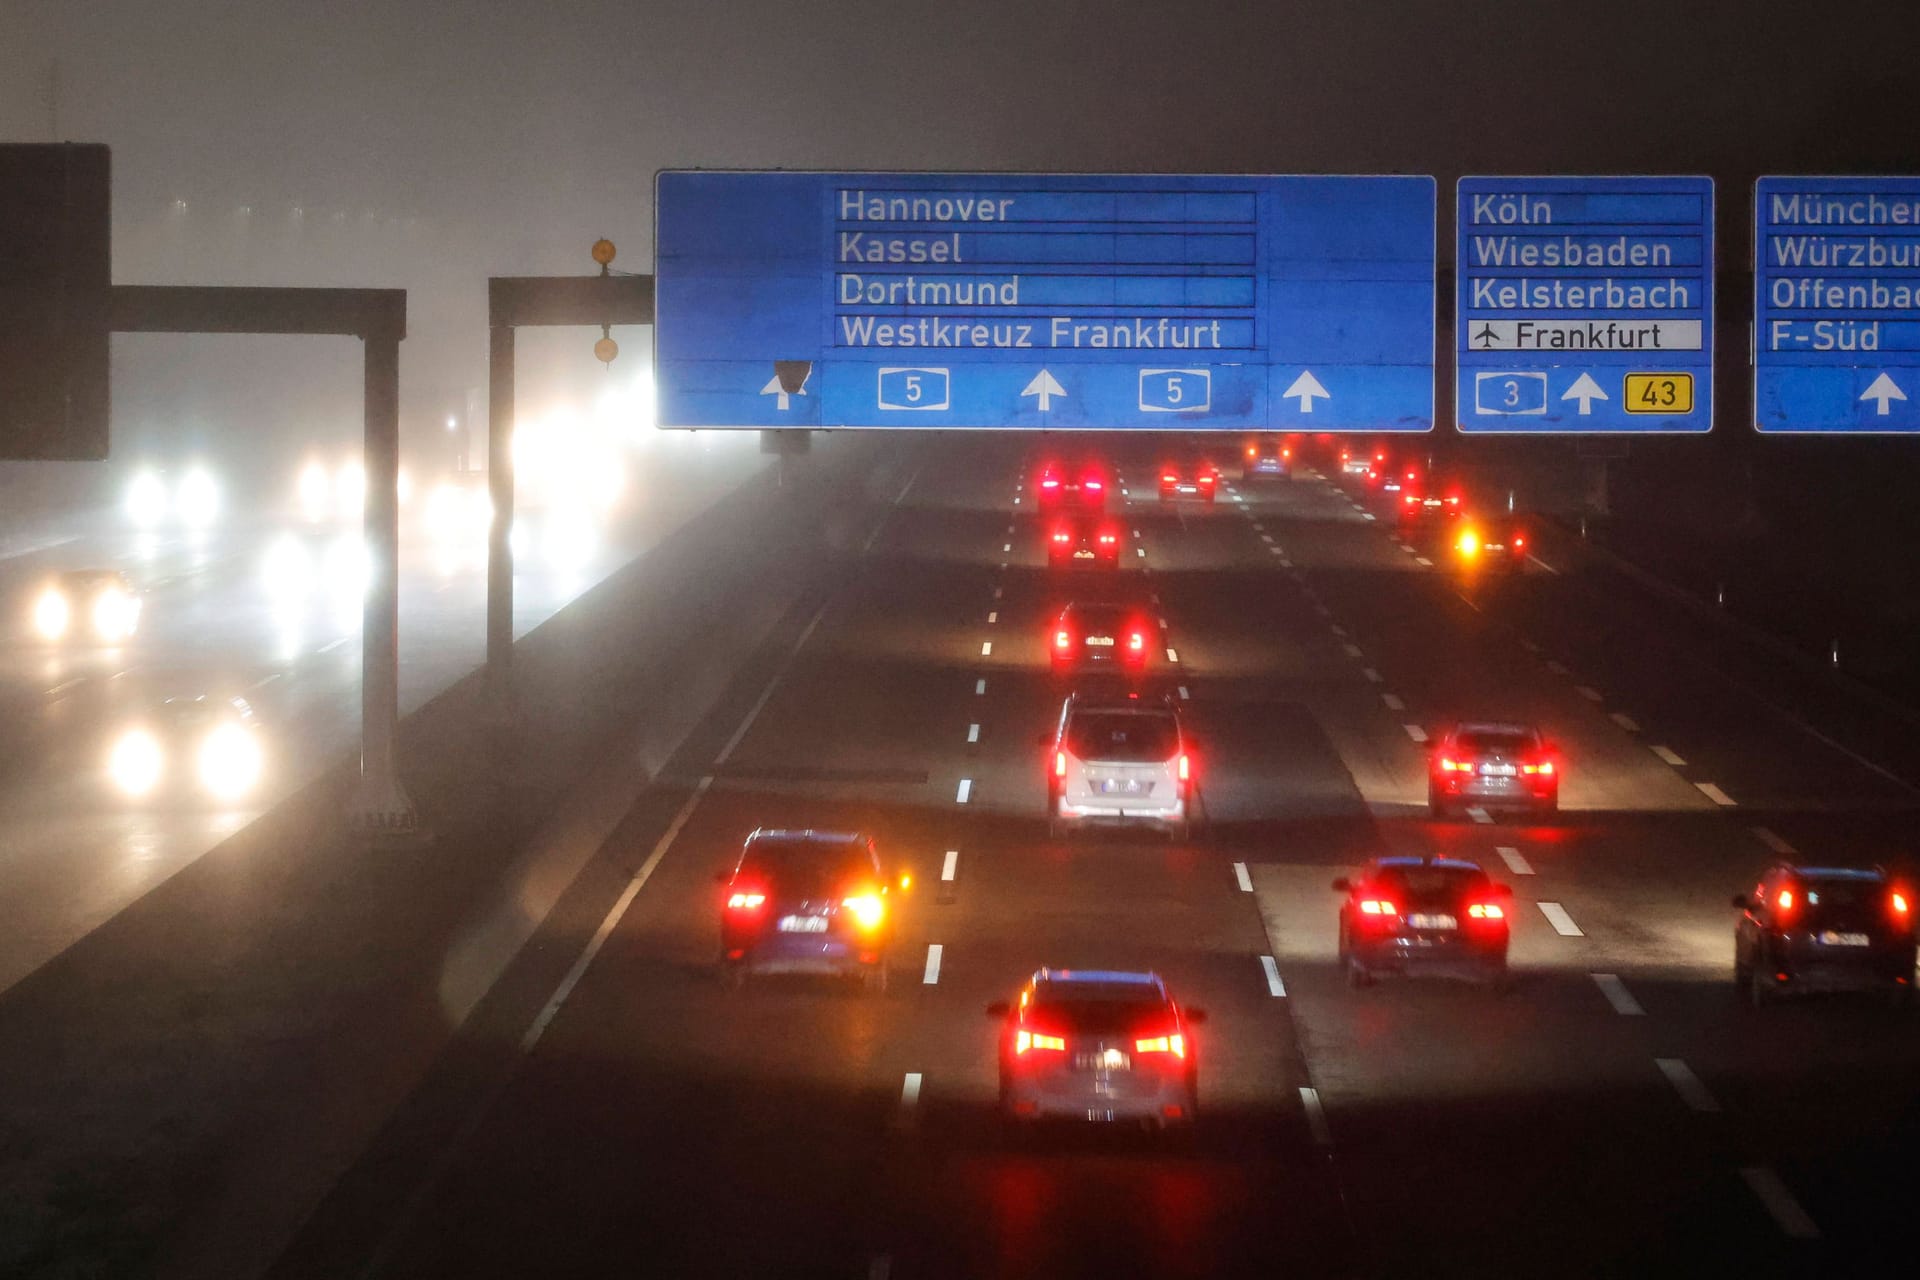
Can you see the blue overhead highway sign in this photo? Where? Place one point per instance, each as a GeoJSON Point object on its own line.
{"type": "Point", "coordinates": [1584, 305]}
{"type": "Point", "coordinates": [1836, 308]}
{"type": "Point", "coordinates": [1152, 302]}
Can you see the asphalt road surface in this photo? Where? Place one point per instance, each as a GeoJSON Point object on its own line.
{"type": "Point", "coordinates": [1617, 1111]}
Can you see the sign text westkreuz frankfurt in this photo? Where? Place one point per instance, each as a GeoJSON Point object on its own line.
{"type": "Point", "coordinates": [1153, 302]}
{"type": "Point", "coordinates": [1584, 305]}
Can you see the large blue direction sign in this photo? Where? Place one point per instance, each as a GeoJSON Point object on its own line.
{"type": "Point", "coordinates": [1836, 308]}
{"type": "Point", "coordinates": [1584, 305]}
{"type": "Point", "coordinates": [1044, 300]}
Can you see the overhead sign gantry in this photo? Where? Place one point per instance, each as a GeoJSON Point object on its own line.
{"type": "Point", "coordinates": [1150, 302]}
{"type": "Point", "coordinates": [1836, 308]}
{"type": "Point", "coordinates": [1584, 305]}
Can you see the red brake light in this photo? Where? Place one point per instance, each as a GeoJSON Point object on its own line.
{"type": "Point", "coordinates": [1062, 639]}
{"type": "Point", "coordinates": [1173, 1043]}
{"type": "Point", "coordinates": [1137, 642]}
{"type": "Point", "coordinates": [1091, 483]}
{"type": "Point", "coordinates": [1185, 770]}
{"type": "Point", "coordinates": [1060, 535]}
{"type": "Point", "coordinates": [1377, 907]}
{"type": "Point", "coordinates": [1252, 452]}
{"type": "Point", "coordinates": [1108, 539]}
{"type": "Point", "coordinates": [1207, 478]}
{"type": "Point", "coordinates": [1050, 482]}
{"type": "Point", "coordinates": [746, 901]}
{"type": "Point", "coordinates": [1168, 477]}
{"type": "Point", "coordinates": [1450, 765]}
{"type": "Point", "coordinates": [1486, 911]}
{"type": "Point", "coordinates": [1785, 901]}
{"type": "Point", "coordinates": [1026, 1040]}
{"type": "Point", "coordinates": [1518, 543]}
{"type": "Point", "coordinates": [1410, 499]}
{"type": "Point", "coordinates": [1899, 903]}
{"type": "Point", "coordinates": [1380, 456]}
{"type": "Point", "coordinates": [1059, 764]}
{"type": "Point", "coordinates": [1544, 768]}
{"type": "Point", "coordinates": [867, 908]}
{"type": "Point", "coordinates": [1453, 499]}
{"type": "Point", "coordinates": [1286, 453]}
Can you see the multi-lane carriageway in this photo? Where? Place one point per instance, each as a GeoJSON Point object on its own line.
{"type": "Point", "coordinates": [1619, 1111]}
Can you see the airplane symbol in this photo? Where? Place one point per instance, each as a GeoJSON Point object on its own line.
{"type": "Point", "coordinates": [1486, 336]}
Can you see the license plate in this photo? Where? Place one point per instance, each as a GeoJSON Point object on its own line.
{"type": "Point", "coordinates": [1100, 642]}
{"type": "Point", "coordinates": [1829, 938]}
{"type": "Point", "coordinates": [1432, 922]}
{"type": "Point", "coordinates": [803, 924]}
{"type": "Point", "coordinates": [1498, 771]}
{"type": "Point", "coordinates": [1083, 555]}
{"type": "Point", "coordinates": [1123, 787]}
{"type": "Point", "coordinates": [1103, 1060]}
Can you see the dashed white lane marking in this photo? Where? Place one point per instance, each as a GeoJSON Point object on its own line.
{"type": "Point", "coordinates": [910, 1092]}
{"type": "Point", "coordinates": [1766, 837]}
{"type": "Point", "coordinates": [325, 648]}
{"type": "Point", "coordinates": [1562, 922]}
{"type": "Point", "coordinates": [997, 591]}
{"type": "Point", "coordinates": [65, 685]}
{"type": "Point", "coordinates": [1590, 694]}
{"type": "Point", "coordinates": [1667, 754]}
{"type": "Point", "coordinates": [1687, 1085]}
{"type": "Point", "coordinates": [973, 733]}
{"type": "Point", "coordinates": [1322, 610]}
{"type": "Point", "coordinates": [1779, 1203]}
{"type": "Point", "coordinates": [979, 688]}
{"type": "Point", "coordinates": [1544, 565]}
{"type": "Point", "coordinates": [1480, 816]}
{"type": "Point", "coordinates": [1423, 562]}
{"type": "Point", "coordinates": [1141, 552]}
{"type": "Point", "coordinates": [1266, 537]}
{"type": "Point", "coordinates": [1163, 624]}
{"type": "Point", "coordinates": [932, 975]}
{"type": "Point", "coordinates": [966, 791]}
{"type": "Point", "coordinates": [1557, 668]}
{"type": "Point", "coordinates": [1366, 515]}
{"type": "Point", "coordinates": [986, 648]}
{"type": "Point", "coordinates": [993, 616]}
{"type": "Point", "coordinates": [1353, 650]}
{"type": "Point", "coordinates": [1275, 987]}
{"type": "Point", "coordinates": [951, 865]}
{"type": "Point", "coordinates": [1242, 878]}
{"type": "Point", "coordinates": [1184, 695]}
{"type": "Point", "coordinates": [1372, 676]}
{"type": "Point", "coordinates": [1617, 994]}
{"type": "Point", "coordinates": [1007, 547]}
{"type": "Point", "coordinates": [1625, 721]}
{"type": "Point", "coordinates": [1716, 795]}
{"type": "Point", "coordinates": [1515, 862]}
{"type": "Point", "coordinates": [1316, 1116]}
{"type": "Point", "coordinates": [1340, 631]}
{"type": "Point", "coordinates": [1415, 732]}
{"type": "Point", "coordinates": [1529, 645]}
{"type": "Point", "coordinates": [1173, 655]}
{"type": "Point", "coordinates": [1238, 498]}
{"type": "Point", "coordinates": [1393, 702]}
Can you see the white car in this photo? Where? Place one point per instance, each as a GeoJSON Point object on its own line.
{"type": "Point", "coordinates": [1119, 762]}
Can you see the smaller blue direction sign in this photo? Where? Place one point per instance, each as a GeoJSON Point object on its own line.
{"type": "Point", "coordinates": [1836, 306]}
{"type": "Point", "coordinates": [1584, 305]}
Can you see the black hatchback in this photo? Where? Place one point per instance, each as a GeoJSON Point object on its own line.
{"type": "Point", "coordinates": [1809, 929]}
{"type": "Point", "coordinates": [1408, 915]}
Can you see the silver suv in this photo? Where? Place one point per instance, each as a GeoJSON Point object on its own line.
{"type": "Point", "coordinates": [1119, 761]}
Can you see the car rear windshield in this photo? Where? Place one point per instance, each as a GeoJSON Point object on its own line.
{"type": "Point", "coordinates": [1128, 737]}
{"type": "Point", "coordinates": [1097, 618]}
{"type": "Point", "coordinates": [1430, 882]}
{"type": "Point", "coordinates": [1843, 897]}
{"type": "Point", "coordinates": [1506, 743]}
{"type": "Point", "coordinates": [1083, 1016]}
{"type": "Point", "coordinates": [801, 868]}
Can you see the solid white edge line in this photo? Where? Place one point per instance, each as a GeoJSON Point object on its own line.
{"type": "Point", "coordinates": [1688, 1085]}
{"type": "Point", "coordinates": [1779, 1203]}
{"type": "Point", "coordinates": [1240, 875]}
{"type": "Point", "coordinates": [932, 974]}
{"type": "Point", "coordinates": [1275, 987]}
{"type": "Point", "coordinates": [965, 791]}
{"type": "Point", "coordinates": [1774, 843]}
{"type": "Point", "coordinates": [952, 863]}
{"type": "Point", "coordinates": [1562, 922]}
{"type": "Point", "coordinates": [1316, 1116]}
{"type": "Point", "coordinates": [1516, 863]}
{"type": "Point", "coordinates": [1716, 795]}
{"type": "Point", "coordinates": [1617, 995]}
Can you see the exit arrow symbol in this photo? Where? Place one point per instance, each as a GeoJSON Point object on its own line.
{"type": "Point", "coordinates": [1304, 389]}
{"type": "Point", "coordinates": [1586, 391]}
{"type": "Point", "coordinates": [773, 388]}
{"type": "Point", "coordinates": [1883, 390]}
{"type": "Point", "coordinates": [1046, 388]}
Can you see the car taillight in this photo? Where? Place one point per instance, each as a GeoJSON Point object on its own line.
{"type": "Point", "coordinates": [1062, 639]}
{"type": "Point", "coordinates": [1108, 539]}
{"type": "Point", "coordinates": [1469, 543]}
{"type": "Point", "coordinates": [1286, 453]}
{"type": "Point", "coordinates": [1168, 477]}
{"type": "Point", "coordinates": [1784, 902]}
{"type": "Point", "coordinates": [1898, 901]}
{"type": "Point", "coordinates": [1381, 456]}
{"type": "Point", "coordinates": [1450, 765]}
{"type": "Point", "coordinates": [1252, 452]}
{"type": "Point", "coordinates": [1206, 481]}
{"type": "Point", "coordinates": [1377, 907]}
{"type": "Point", "coordinates": [1025, 1041]}
{"type": "Point", "coordinates": [1049, 483]}
{"type": "Point", "coordinates": [1173, 1042]}
{"type": "Point", "coordinates": [1184, 767]}
{"type": "Point", "coordinates": [1519, 543]}
{"type": "Point", "coordinates": [1486, 911]}
{"type": "Point", "coordinates": [1059, 764]}
{"type": "Point", "coordinates": [746, 901]}
{"type": "Point", "coordinates": [1410, 498]}
{"type": "Point", "coordinates": [1137, 642]}
{"type": "Point", "coordinates": [1061, 535]}
{"type": "Point", "coordinates": [1453, 500]}
{"type": "Point", "coordinates": [1544, 768]}
{"type": "Point", "coordinates": [1092, 484]}
{"type": "Point", "coordinates": [867, 908]}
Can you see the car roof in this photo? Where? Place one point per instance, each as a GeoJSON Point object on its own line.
{"type": "Point", "coordinates": [1090, 980]}
{"type": "Point", "coordinates": [1397, 861]}
{"type": "Point", "coordinates": [806, 835]}
{"type": "Point", "coordinates": [1080, 702]}
{"type": "Point", "coordinates": [1837, 873]}
{"type": "Point", "coordinates": [1493, 726]}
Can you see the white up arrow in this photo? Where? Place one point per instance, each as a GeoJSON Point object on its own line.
{"type": "Point", "coordinates": [1883, 390]}
{"type": "Point", "coordinates": [1586, 391]}
{"type": "Point", "coordinates": [1046, 388]}
{"type": "Point", "coordinates": [773, 388]}
{"type": "Point", "coordinates": [1305, 388]}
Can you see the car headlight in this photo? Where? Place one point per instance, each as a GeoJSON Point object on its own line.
{"type": "Point", "coordinates": [51, 614]}
{"type": "Point", "coordinates": [146, 500]}
{"type": "Point", "coordinates": [115, 614]}
{"type": "Point", "coordinates": [229, 762]}
{"type": "Point", "coordinates": [199, 498]}
{"type": "Point", "coordinates": [135, 762]}
{"type": "Point", "coordinates": [314, 488]}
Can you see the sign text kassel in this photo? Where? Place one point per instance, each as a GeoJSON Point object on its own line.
{"type": "Point", "coordinates": [1150, 302]}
